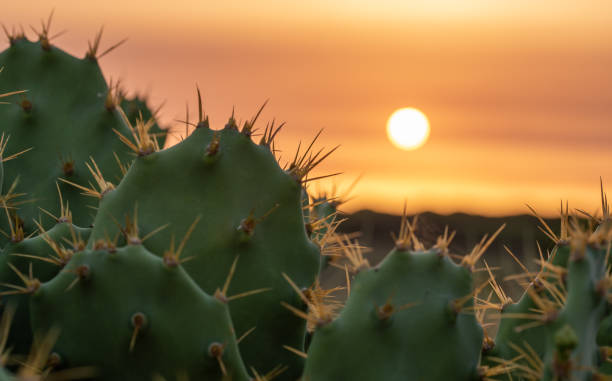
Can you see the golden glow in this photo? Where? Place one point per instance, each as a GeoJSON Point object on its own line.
{"type": "Point", "coordinates": [408, 128]}
{"type": "Point", "coordinates": [347, 64]}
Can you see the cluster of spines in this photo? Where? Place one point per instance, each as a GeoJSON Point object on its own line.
{"type": "Point", "coordinates": [545, 292]}
{"type": "Point", "coordinates": [71, 158]}
{"type": "Point", "coordinates": [141, 143]}
{"type": "Point", "coordinates": [324, 355]}
{"type": "Point", "coordinates": [247, 226]}
{"type": "Point", "coordinates": [550, 333]}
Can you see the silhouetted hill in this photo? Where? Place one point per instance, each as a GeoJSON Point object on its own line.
{"type": "Point", "coordinates": [520, 235]}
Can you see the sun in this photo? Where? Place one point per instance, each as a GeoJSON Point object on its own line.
{"type": "Point", "coordinates": [408, 128]}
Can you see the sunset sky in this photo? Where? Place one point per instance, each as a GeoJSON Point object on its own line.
{"type": "Point", "coordinates": [518, 93]}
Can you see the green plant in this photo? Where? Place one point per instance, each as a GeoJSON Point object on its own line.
{"type": "Point", "coordinates": [67, 116]}
{"type": "Point", "coordinates": [203, 259]}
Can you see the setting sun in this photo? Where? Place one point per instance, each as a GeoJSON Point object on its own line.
{"type": "Point", "coordinates": [346, 66]}
{"type": "Point", "coordinates": [408, 128]}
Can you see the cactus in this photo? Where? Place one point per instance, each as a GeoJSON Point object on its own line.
{"type": "Point", "coordinates": [322, 222]}
{"type": "Point", "coordinates": [44, 255]}
{"type": "Point", "coordinates": [40, 361]}
{"type": "Point", "coordinates": [145, 317]}
{"type": "Point", "coordinates": [322, 217]}
{"type": "Point", "coordinates": [10, 93]}
{"type": "Point", "coordinates": [239, 292]}
{"type": "Point", "coordinates": [416, 305]}
{"type": "Point", "coordinates": [66, 117]}
{"type": "Point", "coordinates": [250, 220]}
{"type": "Point", "coordinates": [552, 332]}
{"type": "Point", "coordinates": [136, 108]}
{"type": "Point", "coordinates": [4, 140]}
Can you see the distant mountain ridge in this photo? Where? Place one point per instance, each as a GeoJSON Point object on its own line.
{"type": "Point", "coordinates": [520, 234]}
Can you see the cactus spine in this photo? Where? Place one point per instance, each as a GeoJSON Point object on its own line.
{"type": "Point", "coordinates": [203, 260]}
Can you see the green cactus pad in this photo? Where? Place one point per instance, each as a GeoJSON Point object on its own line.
{"type": "Point", "coordinates": [563, 337]}
{"type": "Point", "coordinates": [130, 316]}
{"type": "Point", "coordinates": [249, 208]}
{"type": "Point", "coordinates": [38, 256]}
{"type": "Point", "coordinates": [402, 321]}
{"type": "Point", "coordinates": [137, 107]}
{"type": "Point", "coordinates": [65, 117]}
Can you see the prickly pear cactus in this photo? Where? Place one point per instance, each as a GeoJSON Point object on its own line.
{"type": "Point", "coordinates": [519, 323]}
{"type": "Point", "coordinates": [67, 116]}
{"type": "Point", "coordinates": [39, 363]}
{"type": "Point", "coordinates": [146, 316]}
{"type": "Point", "coordinates": [552, 332]}
{"type": "Point", "coordinates": [10, 93]}
{"type": "Point", "coordinates": [323, 216]}
{"type": "Point", "coordinates": [416, 305]}
{"type": "Point", "coordinates": [4, 141]}
{"type": "Point", "coordinates": [244, 216]}
{"type": "Point", "coordinates": [24, 263]}
{"type": "Point", "coordinates": [203, 260]}
{"type": "Point", "coordinates": [137, 107]}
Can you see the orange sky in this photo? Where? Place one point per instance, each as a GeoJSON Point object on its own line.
{"type": "Point", "coordinates": [518, 93]}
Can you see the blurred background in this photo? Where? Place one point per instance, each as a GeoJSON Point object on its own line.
{"type": "Point", "coordinates": [518, 95]}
